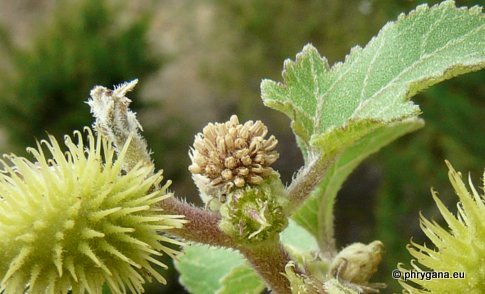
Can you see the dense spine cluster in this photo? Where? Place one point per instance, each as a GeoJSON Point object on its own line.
{"type": "Point", "coordinates": [75, 221]}
{"type": "Point", "coordinates": [459, 249]}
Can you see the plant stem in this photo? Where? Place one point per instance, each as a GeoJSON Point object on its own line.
{"type": "Point", "coordinates": [309, 181]}
{"type": "Point", "coordinates": [326, 238]}
{"type": "Point", "coordinates": [202, 226]}
{"type": "Point", "coordinates": [269, 260]}
{"type": "Point", "coordinates": [306, 181]}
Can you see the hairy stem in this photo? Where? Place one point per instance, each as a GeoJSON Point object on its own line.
{"type": "Point", "coordinates": [269, 260]}
{"type": "Point", "coordinates": [310, 181]}
{"type": "Point", "coordinates": [306, 181]}
{"type": "Point", "coordinates": [326, 238]}
{"type": "Point", "coordinates": [202, 226]}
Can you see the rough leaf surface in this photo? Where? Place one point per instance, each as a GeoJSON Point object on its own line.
{"type": "Point", "coordinates": [208, 270]}
{"type": "Point", "coordinates": [242, 279]}
{"type": "Point", "coordinates": [374, 84]}
{"type": "Point", "coordinates": [297, 238]}
{"type": "Point", "coordinates": [348, 111]}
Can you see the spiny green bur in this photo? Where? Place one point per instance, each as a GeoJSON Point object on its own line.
{"type": "Point", "coordinates": [76, 221]}
{"type": "Point", "coordinates": [461, 248]}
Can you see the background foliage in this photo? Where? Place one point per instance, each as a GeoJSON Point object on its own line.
{"type": "Point", "coordinates": [220, 51]}
{"type": "Point", "coordinates": [47, 83]}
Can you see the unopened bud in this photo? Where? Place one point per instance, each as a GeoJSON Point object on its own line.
{"type": "Point", "coordinates": [231, 155]}
{"type": "Point", "coordinates": [357, 262]}
{"type": "Point", "coordinates": [255, 213]}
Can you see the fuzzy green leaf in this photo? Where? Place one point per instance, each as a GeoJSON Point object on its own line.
{"type": "Point", "coordinates": [242, 280]}
{"type": "Point", "coordinates": [339, 105]}
{"type": "Point", "coordinates": [348, 111]}
{"type": "Point", "coordinates": [208, 270]}
{"type": "Point", "coordinates": [295, 237]}
{"type": "Point", "coordinates": [315, 215]}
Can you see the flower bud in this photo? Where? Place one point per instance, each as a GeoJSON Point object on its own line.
{"type": "Point", "coordinates": [255, 213]}
{"type": "Point", "coordinates": [230, 155]}
{"type": "Point", "coordinates": [356, 264]}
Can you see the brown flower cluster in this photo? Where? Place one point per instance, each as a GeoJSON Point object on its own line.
{"type": "Point", "coordinates": [234, 154]}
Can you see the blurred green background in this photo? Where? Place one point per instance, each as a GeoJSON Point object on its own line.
{"type": "Point", "coordinates": [201, 61]}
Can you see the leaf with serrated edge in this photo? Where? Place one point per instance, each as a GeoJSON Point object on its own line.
{"type": "Point", "coordinates": [241, 280]}
{"type": "Point", "coordinates": [202, 267]}
{"type": "Point", "coordinates": [351, 110]}
{"type": "Point", "coordinates": [374, 84]}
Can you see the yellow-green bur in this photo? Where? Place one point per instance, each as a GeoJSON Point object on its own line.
{"type": "Point", "coordinates": [76, 221]}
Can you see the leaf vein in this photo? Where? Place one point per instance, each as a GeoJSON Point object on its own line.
{"type": "Point", "coordinates": [416, 63]}
{"type": "Point", "coordinates": [369, 68]}
{"type": "Point", "coordinates": [425, 40]}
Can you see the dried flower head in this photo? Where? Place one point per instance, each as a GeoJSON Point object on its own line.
{"type": "Point", "coordinates": [116, 121]}
{"type": "Point", "coordinates": [234, 154]}
{"type": "Point", "coordinates": [76, 221]}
